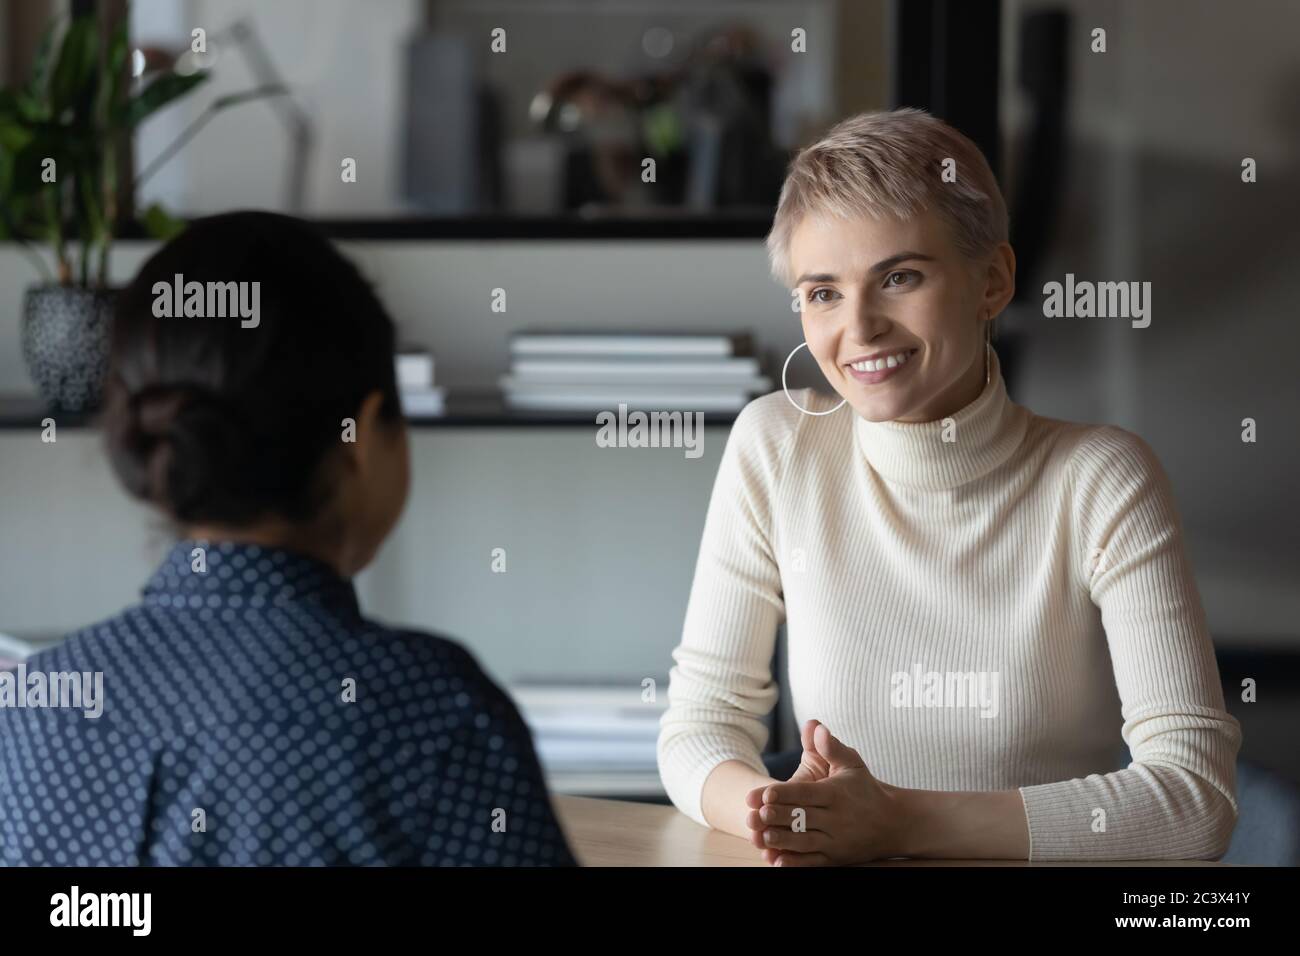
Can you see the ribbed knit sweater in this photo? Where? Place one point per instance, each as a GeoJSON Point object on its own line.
{"type": "Point", "coordinates": [1039, 561]}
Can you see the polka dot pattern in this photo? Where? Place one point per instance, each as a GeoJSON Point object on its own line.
{"type": "Point", "coordinates": [226, 738]}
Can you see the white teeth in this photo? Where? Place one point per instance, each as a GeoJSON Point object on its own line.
{"type": "Point", "coordinates": [875, 365]}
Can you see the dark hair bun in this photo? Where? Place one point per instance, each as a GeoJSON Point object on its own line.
{"type": "Point", "coordinates": [218, 423]}
{"type": "Point", "coordinates": [186, 442]}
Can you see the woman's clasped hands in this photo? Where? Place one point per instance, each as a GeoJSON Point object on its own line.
{"type": "Point", "coordinates": [832, 811]}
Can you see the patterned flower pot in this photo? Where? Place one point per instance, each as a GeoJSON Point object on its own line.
{"type": "Point", "coordinates": [65, 343]}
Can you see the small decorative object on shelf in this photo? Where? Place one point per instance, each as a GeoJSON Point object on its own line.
{"type": "Point", "coordinates": [420, 397]}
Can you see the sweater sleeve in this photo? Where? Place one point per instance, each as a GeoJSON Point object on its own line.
{"type": "Point", "coordinates": [1177, 798]}
{"type": "Point", "coordinates": [721, 687]}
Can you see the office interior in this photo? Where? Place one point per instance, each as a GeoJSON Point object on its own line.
{"type": "Point", "coordinates": [478, 172]}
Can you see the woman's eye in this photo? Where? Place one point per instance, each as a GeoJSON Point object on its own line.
{"type": "Point", "coordinates": [906, 278]}
{"type": "Point", "coordinates": [820, 295]}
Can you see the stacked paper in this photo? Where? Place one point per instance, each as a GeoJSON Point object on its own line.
{"type": "Point", "coordinates": [596, 371]}
{"type": "Point", "coordinates": [605, 735]}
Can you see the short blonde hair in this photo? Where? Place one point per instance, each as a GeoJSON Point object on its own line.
{"type": "Point", "coordinates": [890, 164]}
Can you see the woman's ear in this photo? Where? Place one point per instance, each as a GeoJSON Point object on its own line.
{"type": "Point", "coordinates": [1000, 280]}
{"type": "Point", "coordinates": [359, 452]}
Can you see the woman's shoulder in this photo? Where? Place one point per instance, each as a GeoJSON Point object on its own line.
{"type": "Point", "coordinates": [778, 418]}
{"type": "Point", "coordinates": [1096, 454]}
{"type": "Point", "coordinates": [768, 429]}
{"type": "Point", "coordinates": [774, 410]}
{"type": "Point", "coordinates": [1089, 439]}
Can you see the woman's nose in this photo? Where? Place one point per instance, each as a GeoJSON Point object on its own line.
{"type": "Point", "coordinates": [866, 318]}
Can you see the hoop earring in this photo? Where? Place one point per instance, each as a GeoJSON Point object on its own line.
{"type": "Point", "coordinates": [988, 348]}
{"type": "Point", "coordinates": [786, 389]}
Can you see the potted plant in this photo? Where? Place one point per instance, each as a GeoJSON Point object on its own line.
{"type": "Point", "coordinates": [61, 137]}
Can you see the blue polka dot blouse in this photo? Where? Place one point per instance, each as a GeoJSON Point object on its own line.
{"type": "Point", "coordinates": [252, 716]}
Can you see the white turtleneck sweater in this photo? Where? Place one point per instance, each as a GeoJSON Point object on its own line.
{"type": "Point", "coordinates": [1043, 559]}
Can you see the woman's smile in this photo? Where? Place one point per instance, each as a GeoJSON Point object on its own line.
{"type": "Point", "coordinates": [878, 366]}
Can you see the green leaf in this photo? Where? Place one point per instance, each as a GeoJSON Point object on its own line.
{"type": "Point", "coordinates": [14, 136]}
{"type": "Point", "coordinates": [38, 83]}
{"type": "Point", "coordinates": [30, 108]}
{"type": "Point", "coordinates": [22, 216]}
{"type": "Point", "coordinates": [114, 69]}
{"type": "Point", "coordinates": [25, 174]}
{"type": "Point", "coordinates": [75, 66]}
{"type": "Point", "coordinates": [168, 87]}
{"type": "Point", "coordinates": [92, 223]}
{"type": "Point", "coordinates": [160, 224]}
{"type": "Point", "coordinates": [19, 104]}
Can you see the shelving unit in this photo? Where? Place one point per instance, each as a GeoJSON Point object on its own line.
{"type": "Point", "coordinates": [466, 408]}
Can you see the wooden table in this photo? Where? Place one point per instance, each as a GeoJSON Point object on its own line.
{"type": "Point", "coordinates": [622, 833]}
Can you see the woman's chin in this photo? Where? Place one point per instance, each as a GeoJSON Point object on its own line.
{"type": "Point", "coordinates": [876, 409]}
{"type": "Point", "coordinates": [873, 416]}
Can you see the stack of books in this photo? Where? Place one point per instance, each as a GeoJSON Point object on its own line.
{"type": "Point", "coordinates": [594, 739]}
{"type": "Point", "coordinates": [415, 384]}
{"type": "Point", "coordinates": [597, 371]}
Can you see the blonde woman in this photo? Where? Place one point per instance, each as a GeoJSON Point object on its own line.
{"type": "Point", "coordinates": [980, 602]}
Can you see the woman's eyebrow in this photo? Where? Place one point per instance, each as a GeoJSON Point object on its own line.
{"type": "Point", "coordinates": [886, 264]}
{"type": "Point", "coordinates": [882, 266]}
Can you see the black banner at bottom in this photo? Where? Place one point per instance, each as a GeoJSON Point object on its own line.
{"type": "Point", "coordinates": [211, 906]}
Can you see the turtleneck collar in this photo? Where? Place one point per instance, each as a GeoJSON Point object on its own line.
{"type": "Point", "coordinates": [984, 434]}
